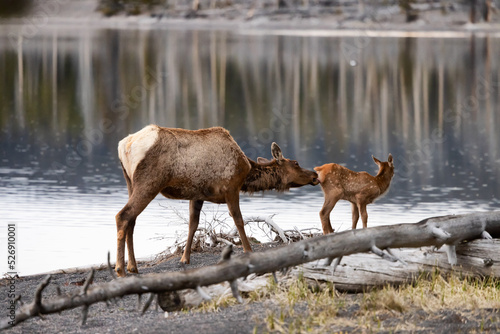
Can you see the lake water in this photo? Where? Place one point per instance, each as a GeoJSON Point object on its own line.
{"type": "Point", "coordinates": [68, 96]}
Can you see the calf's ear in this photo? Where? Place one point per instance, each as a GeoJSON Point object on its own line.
{"type": "Point", "coordinates": [377, 161]}
{"type": "Point", "coordinates": [261, 160]}
{"type": "Point", "coordinates": [276, 153]}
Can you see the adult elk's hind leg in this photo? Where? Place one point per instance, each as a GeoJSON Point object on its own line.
{"type": "Point", "coordinates": [132, 265]}
{"type": "Point", "coordinates": [233, 204]}
{"type": "Point", "coordinates": [194, 220]}
{"type": "Point", "coordinates": [125, 222]}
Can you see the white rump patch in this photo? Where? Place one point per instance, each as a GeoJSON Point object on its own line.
{"type": "Point", "coordinates": [132, 149]}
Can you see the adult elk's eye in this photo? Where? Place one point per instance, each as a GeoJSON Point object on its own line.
{"type": "Point", "coordinates": [296, 163]}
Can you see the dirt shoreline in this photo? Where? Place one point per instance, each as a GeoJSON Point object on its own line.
{"type": "Point", "coordinates": [248, 317]}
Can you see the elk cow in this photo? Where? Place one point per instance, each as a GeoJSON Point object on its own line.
{"type": "Point", "coordinates": [195, 165]}
{"type": "Point", "coordinates": [359, 188]}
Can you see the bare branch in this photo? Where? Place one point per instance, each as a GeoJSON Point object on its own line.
{"type": "Point", "coordinates": [226, 253]}
{"type": "Point", "coordinates": [440, 234]}
{"type": "Point", "coordinates": [336, 263]}
{"type": "Point", "coordinates": [486, 235]}
{"type": "Point", "coordinates": [391, 252]}
{"type": "Point", "coordinates": [85, 312]}
{"type": "Point", "coordinates": [203, 294]}
{"type": "Point", "coordinates": [452, 254]}
{"type": "Point", "coordinates": [272, 225]}
{"type": "Point", "coordinates": [111, 271]}
{"type": "Point", "coordinates": [385, 256]}
{"type": "Point", "coordinates": [234, 290]}
{"type": "Point", "coordinates": [37, 303]}
{"type": "Point", "coordinates": [148, 303]}
{"type": "Point", "coordinates": [18, 300]}
{"type": "Point", "coordinates": [88, 281]}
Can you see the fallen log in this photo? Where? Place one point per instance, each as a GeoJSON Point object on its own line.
{"type": "Point", "coordinates": [438, 231]}
{"type": "Point", "coordinates": [363, 272]}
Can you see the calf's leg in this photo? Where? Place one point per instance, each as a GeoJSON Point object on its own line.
{"type": "Point", "coordinates": [355, 215]}
{"type": "Point", "coordinates": [364, 214]}
{"type": "Point", "coordinates": [331, 198]}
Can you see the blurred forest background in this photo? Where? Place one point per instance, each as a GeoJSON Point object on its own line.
{"type": "Point", "coordinates": [377, 11]}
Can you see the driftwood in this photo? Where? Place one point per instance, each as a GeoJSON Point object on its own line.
{"type": "Point", "coordinates": [361, 272]}
{"type": "Point", "coordinates": [447, 230]}
{"type": "Point", "coordinates": [217, 234]}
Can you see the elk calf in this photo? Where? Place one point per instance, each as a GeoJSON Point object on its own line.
{"type": "Point", "coordinates": [195, 165]}
{"type": "Point", "coordinates": [359, 188]}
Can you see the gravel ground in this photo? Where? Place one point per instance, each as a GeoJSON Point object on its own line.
{"type": "Point", "coordinates": [248, 317]}
{"type": "Point", "coordinates": [124, 317]}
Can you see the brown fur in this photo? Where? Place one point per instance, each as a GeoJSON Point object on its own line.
{"type": "Point", "coordinates": [196, 165]}
{"type": "Point", "coordinates": [359, 188]}
{"type": "Point", "coordinates": [267, 175]}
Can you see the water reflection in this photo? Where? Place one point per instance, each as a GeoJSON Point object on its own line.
{"type": "Point", "coordinates": [69, 96]}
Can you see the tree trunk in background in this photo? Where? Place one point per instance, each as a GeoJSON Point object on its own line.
{"type": "Point", "coordinates": [196, 5]}
{"type": "Point", "coordinates": [472, 17]}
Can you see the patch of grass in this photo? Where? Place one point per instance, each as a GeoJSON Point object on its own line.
{"type": "Point", "coordinates": [298, 305]}
{"type": "Point", "coordinates": [302, 305]}
{"type": "Point", "coordinates": [430, 293]}
{"type": "Point", "coordinates": [267, 292]}
{"type": "Point", "coordinates": [215, 305]}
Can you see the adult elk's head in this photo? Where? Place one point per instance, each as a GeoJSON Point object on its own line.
{"type": "Point", "coordinates": [292, 175]}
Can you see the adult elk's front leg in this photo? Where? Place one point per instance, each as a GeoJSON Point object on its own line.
{"type": "Point", "coordinates": [194, 220]}
{"type": "Point", "coordinates": [233, 204]}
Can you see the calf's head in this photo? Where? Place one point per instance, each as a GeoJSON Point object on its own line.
{"type": "Point", "coordinates": [385, 167]}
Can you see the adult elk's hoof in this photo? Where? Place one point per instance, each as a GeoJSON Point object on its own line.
{"type": "Point", "coordinates": [132, 270]}
{"type": "Point", "coordinates": [120, 272]}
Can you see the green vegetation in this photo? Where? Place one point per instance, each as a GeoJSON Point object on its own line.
{"type": "Point", "coordinates": [301, 305]}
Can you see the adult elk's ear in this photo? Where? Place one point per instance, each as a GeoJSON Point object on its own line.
{"type": "Point", "coordinates": [261, 160]}
{"type": "Point", "coordinates": [276, 153]}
